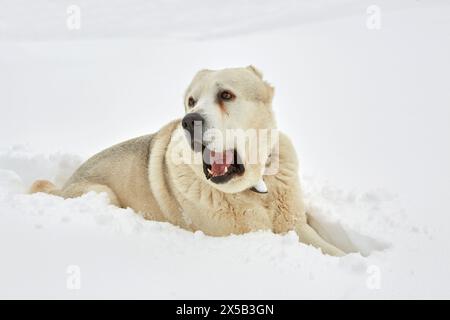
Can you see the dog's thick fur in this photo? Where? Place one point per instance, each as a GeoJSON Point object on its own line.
{"type": "Point", "coordinates": [140, 173]}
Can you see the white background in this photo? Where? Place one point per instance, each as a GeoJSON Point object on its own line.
{"type": "Point", "coordinates": [368, 110]}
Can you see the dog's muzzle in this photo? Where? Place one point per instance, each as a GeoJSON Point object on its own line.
{"type": "Point", "coordinates": [218, 167]}
{"type": "Point", "coordinates": [193, 124]}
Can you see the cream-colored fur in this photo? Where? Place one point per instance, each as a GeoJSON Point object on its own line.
{"type": "Point", "coordinates": [142, 173]}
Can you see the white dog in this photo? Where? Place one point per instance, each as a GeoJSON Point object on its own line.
{"type": "Point", "coordinates": [185, 174]}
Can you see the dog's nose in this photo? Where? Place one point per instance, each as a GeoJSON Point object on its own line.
{"type": "Point", "coordinates": [192, 120]}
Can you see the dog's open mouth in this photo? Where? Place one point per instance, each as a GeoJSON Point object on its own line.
{"type": "Point", "coordinates": [221, 167]}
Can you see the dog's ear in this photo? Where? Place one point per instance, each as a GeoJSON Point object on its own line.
{"type": "Point", "coordinates": [200, 74]}
{"type": "Point", "coordinates": [270, 92]}
{"type": "Point", "coordinates": [197, 77]}
{"type": "Point", "coordinates": [204, 71]}
{"type": "Point", "coordinates": [255, 70]}
{"type": "Point", "coordinates": [269, 89]}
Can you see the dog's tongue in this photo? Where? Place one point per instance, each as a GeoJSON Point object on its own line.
{"type": "Point", "coordinates": [221, 162]}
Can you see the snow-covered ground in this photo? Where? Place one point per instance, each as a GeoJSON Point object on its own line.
{"type": "Point", "coordinates": [368, 110]}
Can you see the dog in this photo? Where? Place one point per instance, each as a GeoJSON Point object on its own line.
{"type": "Point", "coordinates": [222, 192]}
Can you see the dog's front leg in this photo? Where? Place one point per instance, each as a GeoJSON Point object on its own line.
{"type": "Point", "coordinates": [309, 236]}
{"type": "Point", "coordinates": [290, 215]}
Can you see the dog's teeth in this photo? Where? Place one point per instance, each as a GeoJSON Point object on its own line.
{"type": "Point", "coordinates": [226, 169]}
{"type": "Point", "coordinates": [209, 171]}
{"type": "Point", "coordinates": [261, 186]}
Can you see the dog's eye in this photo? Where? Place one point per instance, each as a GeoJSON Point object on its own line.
{"type": "Point", "coordinates": [226, 95]}
{"type": "Point", "coordinates": [191, 102]}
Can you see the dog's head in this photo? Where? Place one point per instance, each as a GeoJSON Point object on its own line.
{"type": "Point", "coordinates": [227, 114]}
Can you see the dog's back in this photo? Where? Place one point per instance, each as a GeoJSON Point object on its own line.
{"type": "Point", "coordinates": [121, 171]}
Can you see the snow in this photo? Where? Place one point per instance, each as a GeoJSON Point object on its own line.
{"type": "Point", "coordinates": [368, 111]}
